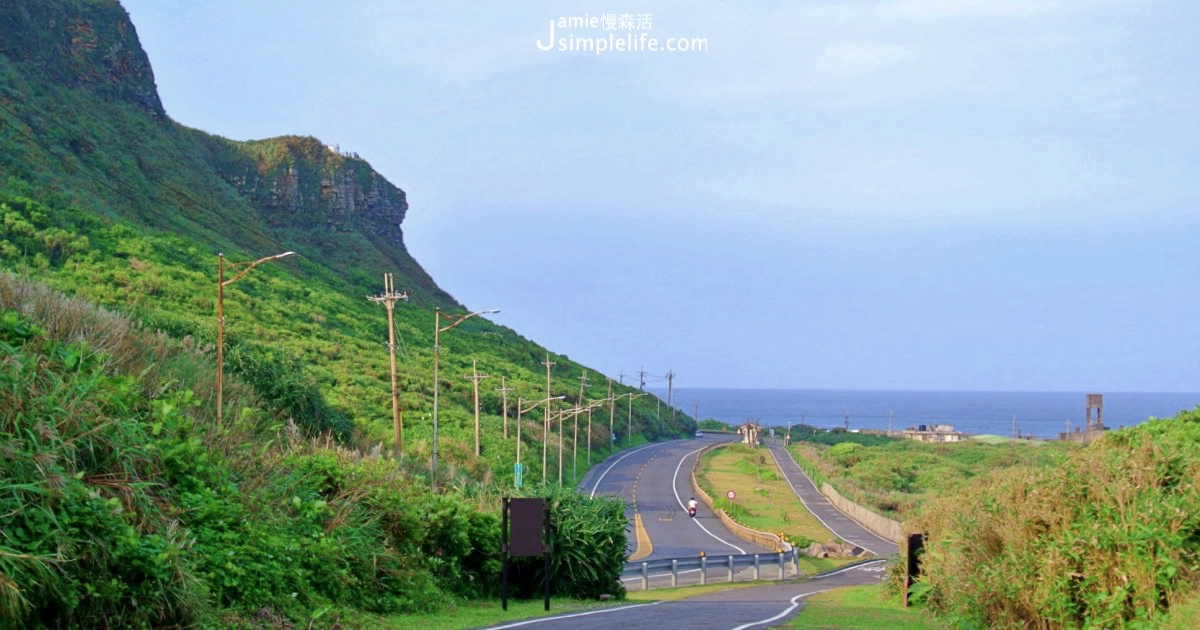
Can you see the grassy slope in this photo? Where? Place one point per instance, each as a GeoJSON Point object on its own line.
{"type": "Point", "coordinates": [156, 201]}
{"type": "Point", "coordinates": [104, 198]}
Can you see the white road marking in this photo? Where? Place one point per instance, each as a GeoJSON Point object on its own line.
{"type": "Point", "coordinates": [530, 622]}
{"type": "Point", "coordinates": [675, 488]}
{"type": "Point", "coordinates": [787, 611]}
{"type": "Point", "coordinates": [615, 462]}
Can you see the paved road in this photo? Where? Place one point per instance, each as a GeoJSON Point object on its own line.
{"type": "Point", "coordinates": [650, 475]}
{"type": "Point", "coordinates": [735, 609]}
{"type": "Point", "coordinates": [843, 526]}
{"type": "Point", "coordinates": [655, 482]}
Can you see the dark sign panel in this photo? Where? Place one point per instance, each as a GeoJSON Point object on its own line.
{"type": "Point", "coordinates": [527, 523]}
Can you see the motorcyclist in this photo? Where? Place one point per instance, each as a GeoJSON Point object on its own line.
{"type": "Point", "coordinates": [692, 505]}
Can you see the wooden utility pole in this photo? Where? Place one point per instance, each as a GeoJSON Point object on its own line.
{"type": "Point", "coordinates": [589, 437]}
{"type": "Point", "coordinates": [389, 299]}
{"type": "Point", "coordinates": [504, 403]}
{"type": "Point", "coordinates": [670, 393]}
{"type": "Point", "coordinates": [546, 423]}
{"type": "Point", "coordinates": [612, 403]}
{"type": "Point", "coordinates": [560, 446]}
{"type": "Point", "coordinates": [475, 377]}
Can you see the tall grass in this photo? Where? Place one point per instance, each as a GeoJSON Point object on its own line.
{"type": "Point", "coordinates": [1109, 538]}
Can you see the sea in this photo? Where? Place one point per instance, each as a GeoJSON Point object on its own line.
{"type": "Point", "coordinates": [1027, 414]}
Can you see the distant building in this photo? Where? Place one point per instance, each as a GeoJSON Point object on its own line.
{"type": "Point", "coordinates": [750, 432]}
{"type": "Point", "coordinates": [939, 433]}
{"type": "Point", "coordinates": [1094, 427]}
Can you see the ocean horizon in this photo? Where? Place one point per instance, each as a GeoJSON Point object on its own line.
{"type": "Point", "coordinates": [1039, 414]}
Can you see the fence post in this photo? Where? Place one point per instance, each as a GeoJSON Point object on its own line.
{"type": "Point", "coordinates": [703, 570]}
{"type": "Point", "coordinates": [674, 572]}
{"type": "Point", "coordinates": [781, 568]}
{"type": "Point", "coordinates": [645, 576]}
{"type": "Point", "coordinates": [757, 569]}
{"type": "Point", "coordinates": [731, 567]}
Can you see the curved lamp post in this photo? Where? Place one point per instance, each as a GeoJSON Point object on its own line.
{"type": "Point", "coordinates": [438, 329]}
{"type": "Point", "coordinates": [522, 409]}
{"type": "Point", "coordinates": [221, 282]}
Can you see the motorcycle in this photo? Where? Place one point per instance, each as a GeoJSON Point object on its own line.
{"type": "Point", "coordinates": [692, 511]}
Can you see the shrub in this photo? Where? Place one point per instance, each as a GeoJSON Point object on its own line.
{"type": "Point", "coordinates": [1109, 538]}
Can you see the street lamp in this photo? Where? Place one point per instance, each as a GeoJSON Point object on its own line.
{"type": "Point", "coordinates": [629, 428]}
{"type": "Point", "coordinates": [438, 329]}
{"type": "Point", "coordinates": [221, 282]}
{"type": "Point", "coordinates": [522, 409]}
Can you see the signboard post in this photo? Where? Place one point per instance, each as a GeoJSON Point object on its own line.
{"type": "Point", "coordinates": [730, 495]}
{"type": "Point", "coordinates": [528, 536]}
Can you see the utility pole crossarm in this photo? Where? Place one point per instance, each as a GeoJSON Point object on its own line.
{"type": "Point", "coordinates": [389, 299]}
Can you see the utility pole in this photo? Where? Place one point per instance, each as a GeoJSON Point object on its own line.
{"type": "Point", "coordinates": [642, 380]}
{"type": "Point", "coordinates": [583, 379]}
{"type": "Point", "coordinates": [629, 419]}
{"type": "Point", "coordinates": [612, 403]}
{"type": "Point", "coordinates": [670, 392]}
{"type": "Point", "coordinates": [504, 403]}
{"type": "Point", "coordinates": [475, 377]}
{"type": "Point", "coordinates": [589, 437]}
{"type": "Point", "coordinates": [575, 447]}
{"type": "Point", "coordinates": [388, 298]}
{"type": "Point", "coordinates": [546, 424]}
{"type": "Point", "coordinates": [629, 423]}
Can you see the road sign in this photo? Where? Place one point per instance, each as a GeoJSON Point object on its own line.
{"type": "Point", "coordinates": [518, 470]}
{"type": "Point", "coordinates": [731, 494]}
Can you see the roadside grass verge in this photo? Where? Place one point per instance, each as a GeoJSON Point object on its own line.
{"type": "Point", "coordinates": [860, 607]}
{"type": "Point", "coordinates": [477, 614]}
{"type": "Point", "coordinates": [764, 500]}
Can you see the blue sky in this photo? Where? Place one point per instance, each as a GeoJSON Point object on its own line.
{"type": "Point", "coordinates": [866, 194]}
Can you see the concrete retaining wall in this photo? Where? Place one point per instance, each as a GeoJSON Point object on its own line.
{"type": "Point", "coordinates": [882, 526]}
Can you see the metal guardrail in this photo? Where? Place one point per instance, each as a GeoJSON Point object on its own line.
{"type": "Point", "coordinates": [671, 572]}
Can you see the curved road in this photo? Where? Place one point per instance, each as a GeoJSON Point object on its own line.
{"type": "Point", "coordinates": [737, 609]}
{"type": "Point", "coordinates": [655, 481]}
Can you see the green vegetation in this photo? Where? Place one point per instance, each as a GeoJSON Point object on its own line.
{"type": "Point", "coordinates": [1108, 537]}
{"type": "Point", "coordinates": [860, 608]}
{"type": "Point", "coordinates": [1050, 535]}
{"type": "Point", "coordinates": [118, 502]}
{"type": "Point", "coordinates": [765, 501]}
{"type": "Point", "coordinates": [894, 476]}
{"type": "Point", "coordinates": [708, 424]}
{"type": "Point", "coordinates": [120, 496]}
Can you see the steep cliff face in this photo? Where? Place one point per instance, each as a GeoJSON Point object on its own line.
{"type": "Point", "coordinates": [80, 118]}
{"type": "Point", "coordinates": [298, 181]}
{"type": "Point", "coordinates": [85, 45]}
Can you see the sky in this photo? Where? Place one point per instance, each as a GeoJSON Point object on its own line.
{"type": "Point", "coordinates": [863, 194]}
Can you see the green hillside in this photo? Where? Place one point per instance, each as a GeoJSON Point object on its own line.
{"type": "Point", "coordinates": [120, 493]}
{"type": "Point", "coordinates": [108, 199]}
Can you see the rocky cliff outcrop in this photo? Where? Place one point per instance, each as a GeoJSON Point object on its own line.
{"type": "Point", "coordinates": [85, 45]}
{"type": "Point", "coordinates": [299, 182]}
